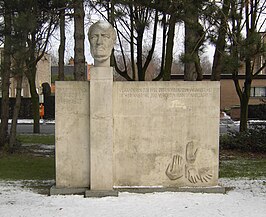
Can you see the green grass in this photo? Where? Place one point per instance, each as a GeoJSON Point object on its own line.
{"type": "Point", "coordinates": [36, 139]}
{"type": "Point", "coordinates": [243, 168]}
{"type": "Point", "coordinates": [20, 167]}
{"type": "Point", "coordinates": [28, 167]}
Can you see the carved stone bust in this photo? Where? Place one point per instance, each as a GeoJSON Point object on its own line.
{"type": "Point", "coordinates": [102, 38]}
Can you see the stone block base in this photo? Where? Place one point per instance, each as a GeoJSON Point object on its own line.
{"type": "Point", "coordinates": [94, 193]}
{"type": "Point", "coordinates": [67, 191]}
{"type": "Point", "coordinates": [143, 190]}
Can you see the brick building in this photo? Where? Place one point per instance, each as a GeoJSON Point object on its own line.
{"type": "Point", "coordinates": [229, 99]}
{"type": "Point", "coordinates": [43, 75]}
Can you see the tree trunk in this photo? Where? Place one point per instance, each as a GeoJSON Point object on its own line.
{"type": "Point", "coordinates": [194, 37]}
{"type": "Point", "coordinates": [5, 80]}
{"type": "Point", "coordinates": [220, 44]}
{"type": "Point", "coordinates": [79, 58]}
{"type": "Point", "coordinates": [132, 50]}
{"type": "Point", "coordinates": [164, 36]}
{"type": "Point", "coordinates": [30, 72]}
{"type": "Point", "coordinates": [61, 50]}
{"type": "Point", "coordinates": [34, 99]}
{"type": "Point", "coordinates": [169, 49]}
{"type": "Point", "coordinates": [243, 114]}
{"type": "Point", "coordinates": [245, 97]}
{"type": "Point", "coordinates": [190, 73]}
{"type": "Point", "coordinates": [111, 19]}
{"type": "Point", "coordinates": [13, 129]}
{"type": "Point", "coordinates": [141, 75]}
{"type": "Point", "coordinates": [198, 68]}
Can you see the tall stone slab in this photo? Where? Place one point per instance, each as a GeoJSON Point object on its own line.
{"type": "Point", "coordinates": [72, 134]}
{"type": "Point", "coordinates": [166, 134]}
{"type": "Point", "coordinates": [101, 129]}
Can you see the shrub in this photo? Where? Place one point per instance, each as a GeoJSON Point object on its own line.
{"type": "Point", "coordinates": [257, 111]}
{"type": "Point", "coordinates": [253, 140]}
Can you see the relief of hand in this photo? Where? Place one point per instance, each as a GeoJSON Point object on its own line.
{"type": "Point", "coordinates": [191, 153]}
{"type": "Point", "coordinates": [175, 168]}
{"type": "Point", "coordinates": [192, 175]}
{"type": "Point", "coordinates": [205, 175]}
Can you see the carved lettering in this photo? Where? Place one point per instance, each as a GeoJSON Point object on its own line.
{"type": "Point", "coordinates": [165, 92]}
{"type": "Point", "coordinates": [70, 96]}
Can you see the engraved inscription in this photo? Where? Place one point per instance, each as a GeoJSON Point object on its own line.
{"type": "Point", "coordinates": [165, 92]}
{"type": "Point", "coordinates": [71, 96]}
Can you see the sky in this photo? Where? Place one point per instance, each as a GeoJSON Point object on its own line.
{"type": "Point", "coordinates": [69, 51]}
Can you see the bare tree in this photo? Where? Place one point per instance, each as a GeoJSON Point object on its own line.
{"type": "Point", "coordinates": [61, 50]}
{"type": "Point", "coordinates": [220, 43]}
{"type": "Point", "coordinates": [245, 48]}
{"type": "Point", "coordinates": [194, 38]}
{"type": "Point", "coordinates": [79, 36]}
{"type": "Point", "coordinates": [5, 72]}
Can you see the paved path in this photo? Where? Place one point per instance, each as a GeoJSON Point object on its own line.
{"type": "Point", "coordinates": [28, 128]}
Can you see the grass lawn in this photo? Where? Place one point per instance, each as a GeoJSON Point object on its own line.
{"type": "Point", "coordinates": [237, 164]}
{"type": "Point", "coordinates": [24, 166]}
{"type": "Point", "coordinates": [28, 167]}
{"type": "Point", "coordinates": [36, 138]}
{"type": "Point", "coordinates": [241, 167]}
{"type": "Point", "coordinates": [21, 166]}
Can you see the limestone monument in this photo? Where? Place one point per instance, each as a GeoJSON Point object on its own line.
{"type": "Point", "coordinates": [102, 38]}
{"type": "Point", "coordinates": [138, 136]}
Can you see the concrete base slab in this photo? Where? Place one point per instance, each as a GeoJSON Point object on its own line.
{"type": "Point", "coordinates": [67, 191]}
{"type": "Point", "coordinates": [143, 190]}
{"type": "Point", "coordinates": [97, 193]}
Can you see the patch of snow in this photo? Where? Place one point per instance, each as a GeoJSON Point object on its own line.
{"type": "Point", "coordinates": [237, 123]}
{"type": "Point", "coordinates": [30, 121]}
{"type": "Point", "coordinates": [248, 198]}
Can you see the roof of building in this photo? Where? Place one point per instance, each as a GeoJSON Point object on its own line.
{"type": "Point", "coordinates": [68, 70]}
{"type": "Point", "coordinates": [208, 77]}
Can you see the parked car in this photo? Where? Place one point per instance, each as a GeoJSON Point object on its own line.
{"type": "Point", "coordinates": [227, 124]}
{"type": "Point", "coordinates": [257, 123]}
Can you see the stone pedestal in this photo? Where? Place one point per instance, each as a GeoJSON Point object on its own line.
{"type": "Point", "coordinates": [72, 136]}
{"type": "Point", "coordinates": [101, 129]}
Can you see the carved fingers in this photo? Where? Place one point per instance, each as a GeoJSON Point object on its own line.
{"type": "Point", "coordinates": [193, 176]}
{"type": "Point", "coordinates": [202, 175]}
{"type": "Point", "coordinates": [205, 175]}
{"type": "Point", "coordinates": [175, 168]}
{"type": "Point", "coordinates": [193, 172]}
{"type": "Point", "coordinates": [191, 153]}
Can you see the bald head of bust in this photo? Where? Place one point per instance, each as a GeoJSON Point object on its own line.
{"type": "Point", "coordinates": [102, 38]}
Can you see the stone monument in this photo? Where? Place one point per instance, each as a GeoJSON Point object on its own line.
{"type": "Point", "coordinates": [134, 136]}
{"type": "Point", "coordinates": [102, 38]}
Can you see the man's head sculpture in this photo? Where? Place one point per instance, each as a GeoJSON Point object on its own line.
{"type": "Point", "coordinates": [102, 38]}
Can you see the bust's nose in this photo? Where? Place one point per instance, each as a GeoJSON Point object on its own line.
{"type": "Point", "coordinates": [99, 39]}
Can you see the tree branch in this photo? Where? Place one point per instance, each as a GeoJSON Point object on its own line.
{"type": "Point", "coordinates": [149, 57]}
{"type": "Point", "coordinates": [259, 70]}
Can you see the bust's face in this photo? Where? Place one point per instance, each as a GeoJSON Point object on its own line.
{"type": "Point", "coordinates": [101, 44]}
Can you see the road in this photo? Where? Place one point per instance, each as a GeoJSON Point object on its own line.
{"type": "Point", "coordinates": [28, 128]}
{"type": "Point", "coordinates": [50, 128]}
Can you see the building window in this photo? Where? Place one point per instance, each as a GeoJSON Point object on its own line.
{"type": "Point", "coordinates": [258, 92]}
